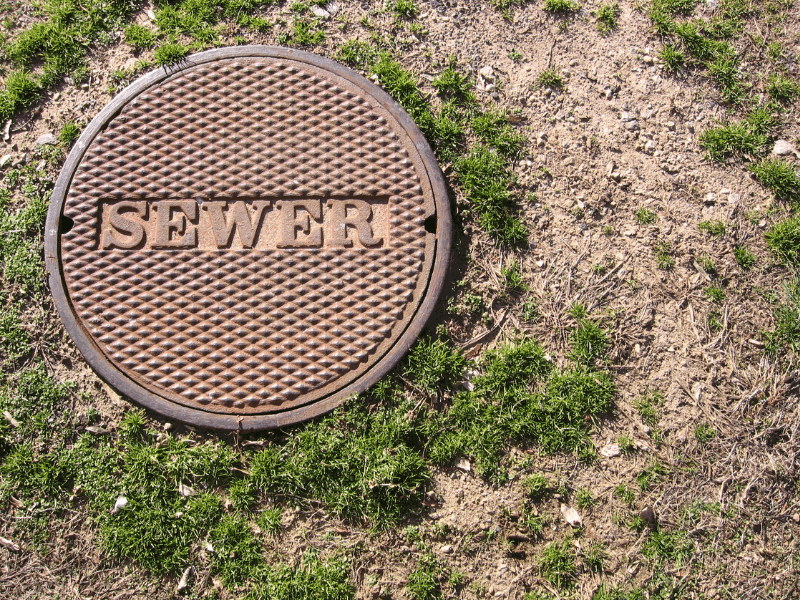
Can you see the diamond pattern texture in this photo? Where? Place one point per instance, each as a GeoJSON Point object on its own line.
{"type": "Point", "coordinates": [248, 331]}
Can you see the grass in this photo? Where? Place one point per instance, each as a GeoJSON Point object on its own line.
{"type": "Point", "coordinates": [715, 294]}
{"type": "Point", "coordinates": [493, 129]}
{"type": "Point", "coordinates": [783, 89]}
{"type": "Point", "coordinates": [453, 86]}
{"type": "Point", "coordinates": [536, 486]}
{"type": "Point", "coordinates": [141, 38]}
{"type": "Point", "coordinates": [584, 499]}
{"type": "Point", "coordinates": [557, 564]}
{"type": "Point", "coordinates": [713, 228]}
{"type": "Point", "coordinates": [624, 493]}
{"type": "Point", "coordinates": [672, 57]}
{"type": "Point", "coordinates": [561, 7]}
{"type": "Point", "coordinates": [648, 405]}
{"type": "Point", "coordinates": [520, 398]}
{"type": "Point", "coordinates": [704, 433]}
{"type": "Point", "coordinates": [780, 177]}
{"type": "Point", "coordinates": [511, 275]}
{"type": "Point", "coordinates": [487, 182]}
{"type": "Point", "coordinates": [668, 547]}
{"type": "Point", "coordinates": [170, 54]}
{"type": "Point", "coordinates": [434, 365]}
{"type": "Point", "coordinates": [550, 78]}
{"type": "Point", "coordinates": [305, 33]}
{"type": "Point", "coordinates": [423, 582]}
{"type": "Point", "coordinates": [784, 241]}
{"type": "Point", "coordinates": [744, 257]}
{"type": "Point", "coordinates": [663, 255]}
{"type": "Point", "coordinates": [650, 475]}
{"type": "Point", "coordinates": [708, 264]}
{"type": "Point", "coordinates": [69, 133]}
{"type": "Point", "coordinates": [404, 9]}
{"type": "Point", "coordinates": [589, 342]}
{"type": "Point", "coordinates": [483, 172]}
{"type": "Point", "coordinates": [786, 334]}
{"type": "Point", "coordinates": [738, 139]}
{"type": "Point", "coordinates": [607, 15]}
{"type": "Point", "coordinates": [646, 216]}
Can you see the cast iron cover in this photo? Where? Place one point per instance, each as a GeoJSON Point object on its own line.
{"type": "Point", "coordinates": [245, 240]}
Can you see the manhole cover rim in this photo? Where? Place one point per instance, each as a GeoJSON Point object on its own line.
{"type": "Point", "coordinates": [121, 382]}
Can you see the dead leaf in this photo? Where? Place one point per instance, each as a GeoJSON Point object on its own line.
{"type": "Point", "coordinates": [649, 515]}
{"type": "Point", "coordinates": [464, 465]}
{"type": "Point", "coordinates": [97, 430]}
{"type": "Point", "coordinates": [12, 420]}
{"type": "Point", "coordinates": [9, 544]}
{"type": "Point", "coordinates": [184, 582]}
{"type": "Point", "coordinates": [185, 490]}
{"type": "Point", "coordinates": [121, 502]}
{"type": "Point", "coordinates": [571, 516]}
{"type": "Point", "coordinates": [611, 450]}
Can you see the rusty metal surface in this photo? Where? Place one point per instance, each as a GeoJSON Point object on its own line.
{"type": "Point", "coordinates": [248, 242]}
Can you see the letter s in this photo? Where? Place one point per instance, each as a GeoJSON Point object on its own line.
{"type": "Point", "coordinates": [120, 224]}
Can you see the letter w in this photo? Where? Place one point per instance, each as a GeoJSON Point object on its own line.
{"type": "Point", "coordinates": [238, 218]}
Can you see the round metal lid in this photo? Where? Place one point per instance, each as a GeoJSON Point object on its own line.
{"type": "Point", "coordinates": [245, 240]}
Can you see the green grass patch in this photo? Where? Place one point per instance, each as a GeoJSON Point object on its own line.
{"type": "Point", "coordinates": [169, 54]}
{"type": "Point", "coordinates": [786, 334]}
{"type": "Point", "coordinates": [453, 86]}
{"type": "Point", "coordinates": [512, 278]}
{"type": "Point", "coordinates": [744, 257]}
{"type": "Point", "coordinates": [715, 294]}
{"type": "Point", "coordinates": [664, 255]}
{"type": "Point", "coordinates": [557, 564]}
{"type": "Point", "coordinates": [493, 129]}
{"type": "Point", "coordinates": [713, 228]}
{"type": "Point", "coordinates": [648, 405]}
{"type": "Point", "coordinates": [424, 581]}
{"type": "Point", "coordinates": [607, 15]}
{"type": "Point", "coordinates": [783, 89]}
{"type": "Point", "coordinates": [645, 216]}
{"type": "Point", "coordinates": [357, 54]}
{"type": "Point", "coordinates": [536, 486]}
{"type": "Point", "coordinates": [484, 171]}
{"type": "Point", "coordinates": [550, 78]}
{"type": "Point", "coordinates": [488, 183]}
{"type": "Point", "coordinates": [69, 133]}
{"type": "Point", "coordinates": [141, 38]}
{"type": "Point", "coordinates": [520, 398]}
{"type": "Point", "coordinates": [780, 177]}
{"type": "Point", "coordinates": [305, 33]}
{"type": "Point", "coordinates": [784, 240]}
{"type": "Point", "coordinates": [561, 7]}
{"type": "Point", "coordinates": [434, 365]}
{"type": "Point", "coordinates": [673, 58]}
{"type": "Point", "coordinates": [668, 546]}
{"type": "Point", "coordinates": [747, 137]}
{"type": "Point", "coordinates": [404, 9]}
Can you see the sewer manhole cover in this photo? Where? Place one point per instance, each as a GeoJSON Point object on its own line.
{"type": "Point", "coordinates": [245, 240]}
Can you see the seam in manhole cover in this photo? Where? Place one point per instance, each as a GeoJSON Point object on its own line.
{"type": "Point", "coordinates": [244, 241]}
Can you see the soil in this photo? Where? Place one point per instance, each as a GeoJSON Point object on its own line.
{"type": "Point", "coordinates": [590, 171]}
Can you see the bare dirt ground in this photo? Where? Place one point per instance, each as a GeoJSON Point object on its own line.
{"type": "Point", "coordinates": [620, 135]}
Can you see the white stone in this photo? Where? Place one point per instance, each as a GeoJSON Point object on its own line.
{"type": "Point", "coordinates": [782, 148]}
{"type": "Point", "coordinates": [320, 12]}
{"type": "Point", "coordinates": [46, 139]}
{"type": "Point", "coordinates": [611, 450]}
{"type": "Point", "coordinates": [487, 73]}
